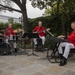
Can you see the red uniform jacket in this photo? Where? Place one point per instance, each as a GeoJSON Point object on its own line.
{"type": "Point", "coordinates": [71, 38]}
{"type": "Point", "coordinates": [39, 30]}
{"type": "Point", "coordinates": [10, 31]}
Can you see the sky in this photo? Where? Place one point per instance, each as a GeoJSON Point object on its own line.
{"type": "Point", "coordinates": [31, 12]}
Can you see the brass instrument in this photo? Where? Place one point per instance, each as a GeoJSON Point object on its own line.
{"type": "Point", "coordinates": [18, 31]}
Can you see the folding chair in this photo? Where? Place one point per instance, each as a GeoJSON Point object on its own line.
{"type": "Point", "coordinates": [55, 54]}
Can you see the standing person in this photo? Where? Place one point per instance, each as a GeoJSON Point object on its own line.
{"type": "Point", "coordinates": [68, 45]}
{"type": "Point", "coordinates": [9, 35]}
{"type": "Point", "coordinates": [40, 29]}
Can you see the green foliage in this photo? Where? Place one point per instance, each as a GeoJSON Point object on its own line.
{"type": "Point", "coordinates": [66, 13]}
{"type": "Point", "coordinates": [54, 22]}
{"type": "Point", "coordinates": [10, 20]}
{"type": "Point", "coordinates": [15, 25]}
{"type": "Point", "coordinates": [43, 3]}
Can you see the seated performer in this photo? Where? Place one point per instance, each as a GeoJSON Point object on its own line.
{"type": "Point", "coordinates": [9, 35]}
{"type": "Point", "coordinates": [68, 45]}
{"type": "Point", "coordinates": [40, 29]}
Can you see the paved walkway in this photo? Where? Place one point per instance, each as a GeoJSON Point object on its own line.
{"type": "Point", "coordinates": [32, 65]}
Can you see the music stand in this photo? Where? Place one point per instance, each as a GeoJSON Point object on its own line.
{"type": "Point", "coordinates": [31, 35]}
{"type": "Point", "coordinates": [24, 37]}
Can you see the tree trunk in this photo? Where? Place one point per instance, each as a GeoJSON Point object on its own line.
{"type": "Point", "coordinates": [10, 8]}
{"type": "Point", "coordinates": [25, 19]}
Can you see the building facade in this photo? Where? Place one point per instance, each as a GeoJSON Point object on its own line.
{"type": "Point", "coordinates": [5, 19]}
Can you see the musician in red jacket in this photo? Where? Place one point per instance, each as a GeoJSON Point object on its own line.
{"type": "Point", "coordinates": [9, 32]}
{"type": "Point", "coordinates": [9, 35]}
{"type": "Point", "coordinates": [40, 29]}
{"type": "Point", "coordinates": [68, 45]}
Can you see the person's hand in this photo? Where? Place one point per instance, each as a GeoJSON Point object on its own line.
{"type": "Point", "coordinates": [61, 36]}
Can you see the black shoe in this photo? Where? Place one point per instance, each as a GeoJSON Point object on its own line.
{"type": "Point", "coordinates": [16, 50]}
{"type": "Point", "coordinates": [63, 62]}
{"type": "Point", "coordinates": [61, 56]}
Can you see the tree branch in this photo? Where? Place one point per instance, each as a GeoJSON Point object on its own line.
{"type": "Point", "coordinates": [18, 3]}
{"type": "Point", "coordinates": [9, 8]}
